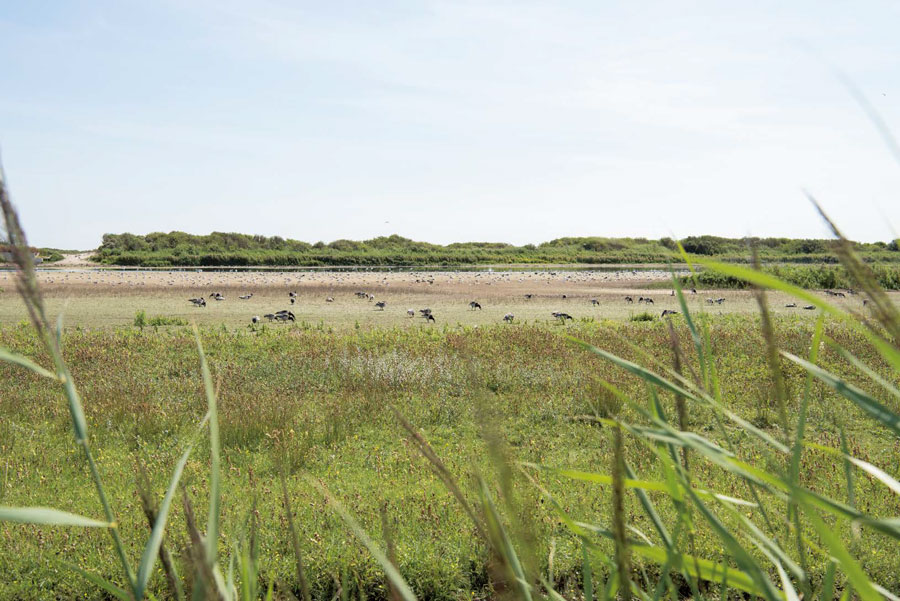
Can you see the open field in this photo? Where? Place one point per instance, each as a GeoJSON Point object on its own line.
{"type": "Point", "coordinates": [93, 298]}
{"type": "Point", "coordinates": [317, 402]}
{"type": "Point", "coordinates": [313, 398]}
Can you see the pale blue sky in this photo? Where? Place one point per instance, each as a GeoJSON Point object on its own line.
{"type": "Point", "coordinates": [501, 121]}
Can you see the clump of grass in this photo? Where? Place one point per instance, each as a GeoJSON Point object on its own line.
{"type": "Point", "coordinates": [643, 316]}
{"type": "Point", "coordinates": [141, 320]}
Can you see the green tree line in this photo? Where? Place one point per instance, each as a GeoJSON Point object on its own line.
{"type": "Point", "coordinates": [232, 249]}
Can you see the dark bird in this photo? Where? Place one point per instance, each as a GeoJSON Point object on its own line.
{"type": "Point", "coordinates": [509, 317]}
{"type": "Point", "coordinates": [430, 317]}
{"type": "Point", "coordinates": [668, 312]}
{"type": "Point", "coordinates": [560, 315]}
{"type": "Point", "coordinates": [198, 302]}
{"type": "Point", "coordinates": [475, 305]}
{"type": "Point", "coordinates": [380, 305]}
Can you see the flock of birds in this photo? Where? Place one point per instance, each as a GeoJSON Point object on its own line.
{"type": "Point", "coordinates": [286, 315]}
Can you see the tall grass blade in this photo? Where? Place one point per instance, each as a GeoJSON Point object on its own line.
{"type": "Point", "coordinates": [396, 579]}
{"type": "Point", "coordinates": [885, 348]}
{"type": "Point", "coordinates": [864, 401]}
{"type": "Point", "coordinates": [151, 549]}
{"type": "Point", "coordinates": [502, 543]}
{"type": "Point", "coordinates": [587, 577]}
{"type": "Point", "coordinates": [215, 500]}
{"type": "Point", "coordinates": [851, 568]}
{"type": "Point", "coordinates": [98, 581]}
{"type": "Point", "coordinates": [295, 538]}
{"type": "Point", "coordinates": [23, 361]}
{"type": "Point", "coordinates": [48, 517]}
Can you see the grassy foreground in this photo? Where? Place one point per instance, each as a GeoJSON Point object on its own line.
{"type": "Point", "coordinates": [317, 403]}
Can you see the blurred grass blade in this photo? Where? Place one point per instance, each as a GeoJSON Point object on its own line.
{"type": "Point", "coordinates": [23, 361]}
{"type": "Point", "coordinates": [889, 352]}
{"type": "Point", "coordinates": [586, 575]}
{"type": "Point", "coordinates": [502, 542]}
{"type": "Point", "coordinates": [98, 581]}
{"type": "Point", "coordinates": [879, 412]}
{"type": "Point", "coordinates": [876, 473]}
{"type": "Point", "coordinates": [151, 549]}
{"type": "Point", "coordinates": [737, 552]}
{"type": "Point", "coordinates": [868, 371]}
{"type": "Point", "coordinates": [295, 538]}
{"type": "Point", "coordinates": [657, 380]}
{"type": "Point", "coordinates": [212, 526]}
{"type": "Point", "coordinates": [630, 483]}
{"type": "Point", "coordinates": [396, 579]}
{"type": "Point", "coordinates": [841, 554]}
{"type": "Point", "coordinates": [49, 517]}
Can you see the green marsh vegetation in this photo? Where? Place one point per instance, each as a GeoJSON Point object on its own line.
{"type": "Point", "coordinates": [232, 249]}
{"type": "Point", "coordinates": [704, 457]}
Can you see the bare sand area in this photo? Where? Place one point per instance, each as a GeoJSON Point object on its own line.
{"type": "Point", "coordinates": [97, 297]}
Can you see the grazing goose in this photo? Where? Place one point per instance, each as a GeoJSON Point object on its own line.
{"type": "Point", "coordinates": [809, 307]}
{"type": "Point", "coordinates": [509, 317]}
{"type": "Point", "coordinates": [411, 312]}
{"type": "Point", "coordinates": [380, 305]}
{"type": "Point", "coordinates": [425, 312]}
{"type": "Point", "coordinates": [628, 299]}
{"type": "Point", "coordinates": [430, 317]}
{"type": "Point", "coordinates": [528, 296]}
{"type": "Point", "coordinates": [254, 319]}
{"type": "Point", "coordinates": [474, 305]}
{"type": "Point", "coordinates": [791, 305]}
{"type": "Point", "coordinates": [595, 302]}
{"type": "Point", "coordinates": [719, 301]}
{"type": "Point", "coordinates": [709, 301]}
{"type": "Point", "coordinates": [246, 296]}
{"type": "Point", "coordinates": [329, 299]}
{"type": "Point", "coordinates": [668, 312]}
{"type": "Point", "coordinates": [292, 294]}
{"type": "Point", "coordinates": [198, 302]}
{"type": "Point", "coordinates": [292, 300]}
{"type": "Point", "coordinates": [560, 315]}
{"type": "Point", "coordinates": [269, 316]}
{"type": "Point", "coordinates": [285, 316]}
